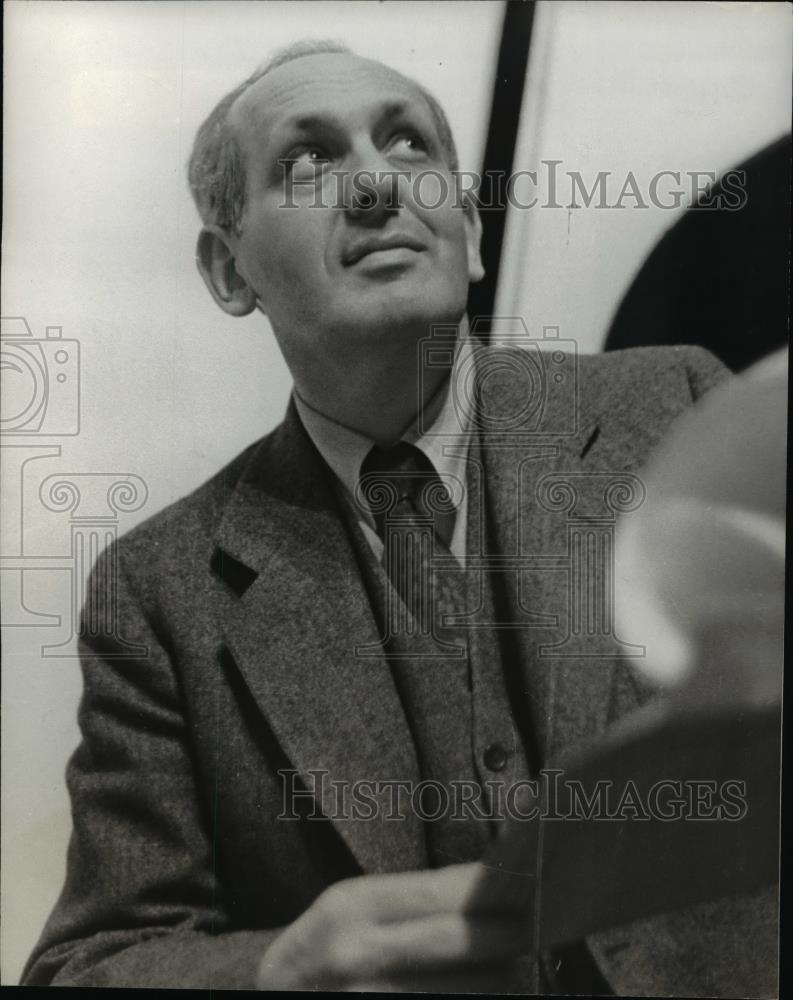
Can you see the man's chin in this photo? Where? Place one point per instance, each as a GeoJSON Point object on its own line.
{"type": "Point", "coordinates": [403, 310]}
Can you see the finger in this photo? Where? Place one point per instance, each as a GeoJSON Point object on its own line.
{"type": "Point", "coordinates": [412, 895]}
{"type": "Point", "coordinates": [429, 944]}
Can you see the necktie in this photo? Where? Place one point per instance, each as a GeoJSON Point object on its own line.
{"type": "Point", "coordinates": [414, 515]}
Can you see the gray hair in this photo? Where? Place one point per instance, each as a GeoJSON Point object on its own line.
{"type": "Point", "coordinates": [216, 169]}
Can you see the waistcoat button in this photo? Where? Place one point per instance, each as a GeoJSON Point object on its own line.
{"type": "Point", "coordinates": [495, 757]}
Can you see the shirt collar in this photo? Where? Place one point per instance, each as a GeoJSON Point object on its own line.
{"type": "Point", "coordinates": [445, 441]}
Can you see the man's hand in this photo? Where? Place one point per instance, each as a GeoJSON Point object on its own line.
{"type": "Point", "coordinates": [406, 931]}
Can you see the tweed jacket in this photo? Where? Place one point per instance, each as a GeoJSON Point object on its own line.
{"type": "Point", "coordinates": [229, 656]}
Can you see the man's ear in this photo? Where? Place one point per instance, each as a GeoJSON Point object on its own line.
{"type": "Point", "coordinates": [215, 260]}
{"type": "Point", "coordinates": [473, 233]}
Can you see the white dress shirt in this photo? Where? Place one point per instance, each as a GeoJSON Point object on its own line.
{"type": "Point", "coordinates": [444, 439]}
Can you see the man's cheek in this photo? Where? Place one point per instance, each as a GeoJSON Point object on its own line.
{"type": "Point", "coordinates": [291, 265]}
{"type": "Point", "coordinates": [432, 191]}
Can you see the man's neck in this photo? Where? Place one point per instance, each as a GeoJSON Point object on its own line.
{"type": "Point", "coordinates": [378, 397]}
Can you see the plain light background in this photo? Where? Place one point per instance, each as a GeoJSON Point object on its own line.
{"type": "Point", "coordinates": [101, 104]}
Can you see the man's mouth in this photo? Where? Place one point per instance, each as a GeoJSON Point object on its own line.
{"type": "Point", "coordinates": [379, 243]}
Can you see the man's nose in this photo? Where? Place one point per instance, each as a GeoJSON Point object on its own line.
{"type": "Point", "coordinates": [371, 190]}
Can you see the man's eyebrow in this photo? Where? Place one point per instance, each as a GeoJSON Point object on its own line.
{"type": "Point", "coordinates": [306, 123]}
{"type": "Point", "coordinates": [293, 128]}
{"type": "Point", "coordinates": [393, 109]}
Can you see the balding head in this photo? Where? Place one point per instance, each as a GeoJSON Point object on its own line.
{"type": "Point", "coordinates": [217, 167]}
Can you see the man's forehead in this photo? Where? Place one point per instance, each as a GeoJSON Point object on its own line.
{"type": "Point", "coordinates": [326, 81]}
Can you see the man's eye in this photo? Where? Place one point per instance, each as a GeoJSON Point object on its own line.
{"type": "Point", "coordinates": [306, 158]}
{"type": "Point", "coordinates": [311, 154]}
{"type": "Point", "coordinates": [408, 144]}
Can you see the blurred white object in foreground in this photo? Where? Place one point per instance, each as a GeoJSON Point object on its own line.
{"type": "Point", "coordinates": [700, 567]}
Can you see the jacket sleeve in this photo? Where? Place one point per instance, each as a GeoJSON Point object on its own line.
{"type": "Point", "coordinates": [703, 370]}
{"type": "Point", "coordinates": [143, 903]}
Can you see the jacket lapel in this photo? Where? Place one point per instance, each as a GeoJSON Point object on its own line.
{"type": "Point", "coordinates": [569, 696]}
{"type": "Point", "coordinates": [293, 634]}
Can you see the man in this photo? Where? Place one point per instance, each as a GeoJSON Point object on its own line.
{"type": "Point", "coordinates": [272, 676]}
